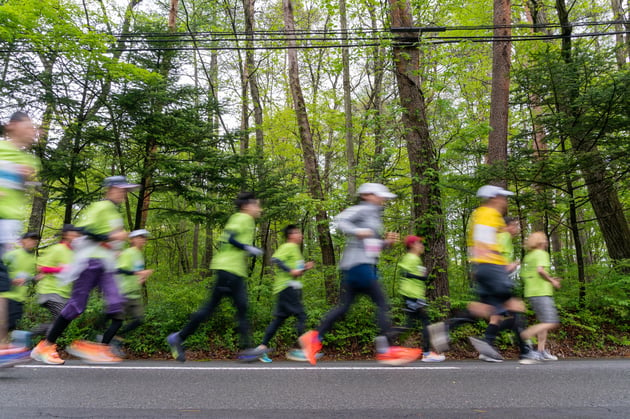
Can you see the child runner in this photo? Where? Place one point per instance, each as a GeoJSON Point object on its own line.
{"type": "Point", "coordinates": [131, 275]}
{"type": "Point", "coordinates": [287, 286]}
{"type": "Point", "coordinates": [539, 288]}
{"type": "Point", "coordinates": [21, 264]}
{"type": "Point", "coordinates": [412, 287]}
{"type": "Point", "coordinates": [16, 167]}
{"type": "Point", "coordinates": [52, 293]}
{"type": "Point", "coordinates": [93, 266]}
{"type": "Point", "coordinates": [494, 286]}
{"type": "Point", "coordinates": [230, 264]}
{"type": "Point", "coordinates": [363, 226]}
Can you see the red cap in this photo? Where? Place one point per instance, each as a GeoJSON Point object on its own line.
{"type": "Point", "coordinates": [410, 240]}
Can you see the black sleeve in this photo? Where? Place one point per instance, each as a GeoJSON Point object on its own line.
{"type": "Point", "coordinates": [124, 271]}
{"type": "Point", "coordinates": [234, 242]}
{"type": "Point", "coordinates": [280, 264]}
{"type": "Point", "coordinates": [421, 278]}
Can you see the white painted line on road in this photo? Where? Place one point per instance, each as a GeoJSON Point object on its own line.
{"type": "Point", "coordinates": [182, 368]}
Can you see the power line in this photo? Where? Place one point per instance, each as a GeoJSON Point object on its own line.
{"type": "Point", "coordinates": [276, 40]}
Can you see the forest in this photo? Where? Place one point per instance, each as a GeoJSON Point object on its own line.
{"type": "Point", "coordinates": [300, 102]}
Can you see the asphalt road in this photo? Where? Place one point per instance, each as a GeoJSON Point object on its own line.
{"type": "Point", "coordinates": [567, 388]}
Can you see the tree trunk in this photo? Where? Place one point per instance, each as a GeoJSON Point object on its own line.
{"type": "Point", "coordinates": [427, 200]}
{"type": "Point", "coordinates": [347, 102]}
{"type": "Point", "coordinates": [601, 190]}
{"type": "Point", "coordinates": [308, 151]}
{"type": "Point", "coordinates": [621, 53]}
{"type": "Point", "coordinates": [151, 147]}
{"type": "Point", "coordinates": [250, 62]}
{"type": "Point", "coordinates": [500, 95]}
{"type": "Point", "coordinates": [38, 212]}
{"type": "Point", "coordinates": [378, 159]}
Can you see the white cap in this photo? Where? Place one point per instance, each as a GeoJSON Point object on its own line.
{"type": "Point", "coordinates": [137, 233]}
{"type": "Point", "coordinates": [491, 191]}
{"type": "Point", "coordinates": [376, 189]}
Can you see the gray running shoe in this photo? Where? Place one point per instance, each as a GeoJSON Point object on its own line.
{"type": "Point", "coordinates": [531, 357]}
{"type": "Point", "coordinates": [486, 358]}
{"type": "Point", "coordinates": [546, 356]}
{"type": "Point", "coordinates": [177, 348]}
{"type": "Point", "coordinates": [252, 354]}
{"type": "Point", "coordinates": [438, 335]}
{"type": "Point", "coordinates": [484, 348]}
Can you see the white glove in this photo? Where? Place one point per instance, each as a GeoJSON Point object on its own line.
{"type": "Point", "coordinates": [253, 251]}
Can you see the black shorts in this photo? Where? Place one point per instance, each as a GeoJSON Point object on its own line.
{"type": "Point", "coordinates": [494, 285]}
{"type": "Point", "coordinates": [289, 303]}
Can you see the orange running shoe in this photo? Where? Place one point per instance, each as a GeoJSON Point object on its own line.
{"type": "Point", "coordinates": [311, 345]}
{"type": "Point", "coordinates": [92, 352]}
{"type": "Point", "coordinates": [399, 355]}
{"type": "Point", "coordinates": [47, 353]}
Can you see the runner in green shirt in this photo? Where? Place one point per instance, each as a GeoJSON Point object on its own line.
{"type": "Point", "coordinates": [17, 167]}
{"type": "Point", "coordinates": [131, 276]}
{"type": "Point", "coordinates": [412, 287]}
{"type": "Point", "coordinates": [287, 286]}
{"type": "Point", "coordinates": [539, 289]}
{"type": "Point", "coordinates": [94, 266]}
{"type": "Point", "coordinates": [53, 294]}
{"type": "Point", "coordinates": [230, 265]}
{"type": "Point", "coordinates": [21, 264]}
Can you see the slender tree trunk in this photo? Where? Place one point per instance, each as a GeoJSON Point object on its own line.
{"type": "Point", "coordinates": [427, 200]}
{"type": "Point", "coordinates": [575, 233]}
{"type": "Point", "coordinates": [308, 151]}
{"type": "Point", "coordinates": [347, 101]}
{"type": "Point", "coordinates": [40, 199]}
{"type": "Point", "coordinates": [378, 160]}
{"type": "Point", "coordinates": [250, 61]}
{"type": "Point", "coordinates": [151, 147]}
{"type": "Point", "coordinates": [499, 97]}
{"type": "Point", "coordinates": [622, 52]}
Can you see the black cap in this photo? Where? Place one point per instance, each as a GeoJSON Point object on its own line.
{"type": "Point", "coordinates": [31, 235]}
{"type": "Point", "coordinates": [70, 227]}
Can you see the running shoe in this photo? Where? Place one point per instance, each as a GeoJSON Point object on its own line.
{"type": "Point", "coordinates": [92, 352]}
{"type": "Point", "coordinates": [177, 347]}
{"type": "Point", "coordinates": [298, 355]}
{"type": "Point", "coordinates": [251, 354]}
{"type": "Point", "coordinates": [529, 358]}
{"type": "Point", "coordinates": [432, 357]}
{"type": "Point", "coordinates": [398, 355]}
{"type": "Point", "coordinates": [265, 358]}
{"type": "Point", "coordinates": [438, 335]}
{"type": "Point", "coordinates": [116, 347]}
{"type": "Point", "coordinates": [47, 353]}
{"type": "Point", "coordinates": [10, 360]}
{"type": "Point", "coordinates": [310, 344]}
{"type": "Point", "coordinates": [486, 358]}
{"type": "Point", "coordinates": [485, 348]}
{"type": "Point", "coordinates": [546, 356]}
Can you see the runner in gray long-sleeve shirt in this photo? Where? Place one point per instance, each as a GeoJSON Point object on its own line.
{"type": "Point", "coordinates": [363, 226]}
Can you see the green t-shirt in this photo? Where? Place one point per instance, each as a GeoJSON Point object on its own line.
{"type": "Point", "coordinates": [20, 264]}
{"type": "Point", "coordinates": [506, 247]}
{"type": "Point", "coordinates": [130, 259]}
{"type": "Point", "coordinates": [102, 217]}
{"type": "Point", "coordinates": [230, 258]}
{"type": "Point", "coordinates": [536, 285]}
{"type": "Point", "coordinates": [55, 256]}
{"type": "Point", "coordinates": [12, 201]}
{"type": "Point", "coordinates": [291, 255]}
{"type": "Point", "coordinates": [411, 287]}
